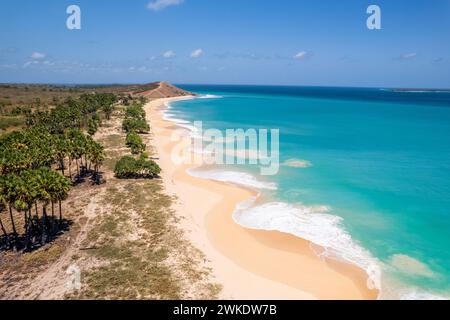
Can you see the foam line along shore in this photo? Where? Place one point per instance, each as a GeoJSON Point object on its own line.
{"type": "Point", "coordinates": [249, 263]}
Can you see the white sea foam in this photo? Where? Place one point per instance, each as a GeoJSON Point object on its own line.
{"type": "Point", "coordinates": [168, 116]}
{"type": "Point", "coordinates": [239, 178]}
{"type": "Point", "coordinates": [209, 96]}
{"type": "Point", "coordinates": [415, 294]}
{"type": "Point", "coordinates": [171, 117]}
{"type": "Point", "coordinates": [313, 224]}
{"type": "Point", "coordinates": [297, 163]}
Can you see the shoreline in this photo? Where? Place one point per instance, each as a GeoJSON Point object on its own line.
{"type": "Point", "coordinates": [246, 261]}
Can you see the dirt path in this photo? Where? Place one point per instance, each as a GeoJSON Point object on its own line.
{"type": "Point", "coordinates": [53, 282]}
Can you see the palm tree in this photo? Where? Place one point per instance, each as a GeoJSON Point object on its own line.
{"type": "Point", "coordinates": [61, 150]}
{"type": "Point", "coordinates": [9, 189]}
{"type": "Point", "coordinates": [28, 196]}
{"type": "Point", "coordinates": [96, 156]}
{"type": "Point", "coordinates": [2, 207]}
{"type": "Point", "coordinates": [9, 193]}
{"type": "Point", "coordinates": [60, 192]}
{"type": "Point", "coordinates": [45, 182]}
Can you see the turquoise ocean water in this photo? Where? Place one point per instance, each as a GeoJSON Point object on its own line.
{"type": "Point", "coordinates": [364, 173]}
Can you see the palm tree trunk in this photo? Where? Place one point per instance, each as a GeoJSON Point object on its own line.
{"type": "Point", "coordinates": [29, 217]}
{"type": "Point", "coordinates": [60, 213]}
{"type": "Point", "coordinates": [3, 229]}
{"type": "Point", "coordinates": [97, 175]}
{"type": "Point", "coordinates": [44, 221]}
{"type": "Point", "coordinates": [36, 210]}
{"type": "Point", "coordinates": [16, 236]}
{"type": "Point", "coordinates": [12, 220]}
{"type": "Point", "coordinates": [28, 226]}
{"type": "Point", "coordinates": [78, 168]}
{"type": "Point", "coordinates": [53, 218]}
{"type": "Point", "coordinates": [61, 163]}
{"type": "Point", "coordinates": [25, 218]}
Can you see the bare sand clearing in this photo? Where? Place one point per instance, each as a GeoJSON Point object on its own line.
{"type": "Point", "coordinates": [250, 264]}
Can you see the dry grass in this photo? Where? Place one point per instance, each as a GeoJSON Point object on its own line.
{"type": "Point", "coordinates": [19, 270]}
{"type": "Point", "coordinates": [142, 252]}
{"type": "Point", "coordinates": [12, 95]}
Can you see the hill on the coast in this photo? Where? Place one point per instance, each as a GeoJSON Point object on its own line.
{"type": "Point", "coordinates": [164, 90]}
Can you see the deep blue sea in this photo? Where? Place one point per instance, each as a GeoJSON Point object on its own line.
{"type": "Point", "coordinates": [364, 173]}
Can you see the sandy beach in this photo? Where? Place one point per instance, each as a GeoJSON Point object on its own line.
{"type": "Point", "coordinates": [249, 264]}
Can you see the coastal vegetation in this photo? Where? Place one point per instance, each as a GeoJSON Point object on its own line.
{"type": "Point", "coordinates": [134, 142]}
{"type": "Point", "coordinates": [30, 161]}
{"type": "Point", "coordinates": [17, 101]}
{"type": "Point", "coordinates": [135, 118]}
{"type": "Point", "coordinates": [129, 167]}
{"type": "Point", "coordinates": [122, 233]}
{"type": "Point", "coordinates": [136, 125]}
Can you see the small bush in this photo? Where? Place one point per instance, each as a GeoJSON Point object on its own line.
{"type": "Point", "coordinates": [134, 142]}
{"type": "Point", "coordinates": [130, 168]}
{"type": "Point", "coordinates": [92, 127]}
{"type": "Point", "coordinates": [135, 111]}
{"type": "Point", "coordinates": [137, 125]}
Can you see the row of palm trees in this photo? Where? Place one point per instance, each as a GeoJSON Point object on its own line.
{"type": "Point", "coordinates": [30, 184]}
{"type": "Point", "coordinates": [35, 147]}
{"type": "Point", "coordinates": [26, 192]}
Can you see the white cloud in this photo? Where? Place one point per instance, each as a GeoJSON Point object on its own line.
{"type": "Point", "coordinates": [38, 55]}
{"type": "Point", "coordinates": [197, 53]}
{"type": "Point", "coordinates": [169, 54]}
{"type": "Point", "coordinates": [407, 56]}
{"type": "Point", "coordinates": [162, 4]}
{"type": "Point", "coordinates": [301, 55]}
{"type": "Point", "coordinates": [29, 63]}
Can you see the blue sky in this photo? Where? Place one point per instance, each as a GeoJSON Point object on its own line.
{"type": "Point", "coordinates": [285, 42]}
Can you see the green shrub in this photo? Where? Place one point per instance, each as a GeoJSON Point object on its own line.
{"type": "Point", "coordinates": [134, 142]}
{"type": "Point", "coordinates": [92, 127]}
{"type": "Point", "coordinates": [135, 111]}
{"type": "Point", "coordinates": [130, 168]}
{"type": "Point", "coordinates": [137, 125]}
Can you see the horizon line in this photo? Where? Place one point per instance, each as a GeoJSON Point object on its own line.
{"type": "Point", "coordinates": [100, 84]}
